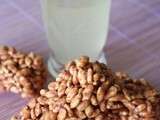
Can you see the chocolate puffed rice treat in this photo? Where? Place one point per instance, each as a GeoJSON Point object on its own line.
{"type": "Point", "coordinates": [20, 72]}
{"type": "Point", "coordinates": [87, 90]}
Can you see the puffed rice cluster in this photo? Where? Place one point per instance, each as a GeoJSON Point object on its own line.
{"type": "Point", "coordinates": [21, 72]}
{"type": "Point", "coordinates": [87, 90]}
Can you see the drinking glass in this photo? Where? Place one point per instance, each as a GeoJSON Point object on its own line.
{"type": "Point", "coordinates": [75, 28]}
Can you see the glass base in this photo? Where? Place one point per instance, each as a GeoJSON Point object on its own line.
{"type": "Point", "coordinates": [54, 67]}
{"type": "Point", "coordinates": [102, 58]}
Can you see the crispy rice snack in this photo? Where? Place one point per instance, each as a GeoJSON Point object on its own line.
{"type": "Point", "coordinates": [21, 72]}
{"type": "Point", "coordinates": [91, 91]}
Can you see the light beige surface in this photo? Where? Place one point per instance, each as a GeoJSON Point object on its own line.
{"type": "Point", "coordinates": [133, 46]}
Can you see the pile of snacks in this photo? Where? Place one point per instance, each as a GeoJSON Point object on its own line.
{"type": "Point", "coordinates": [21, 73]}
{"type": "Point", "coordinates": [91, 91]}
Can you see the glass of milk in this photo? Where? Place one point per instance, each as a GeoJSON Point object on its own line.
{"type": "Point", "coordinates": [75, 28]}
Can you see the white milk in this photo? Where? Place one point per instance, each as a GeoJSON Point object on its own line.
{"type": "Point", "coordinates": [76, 27]}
